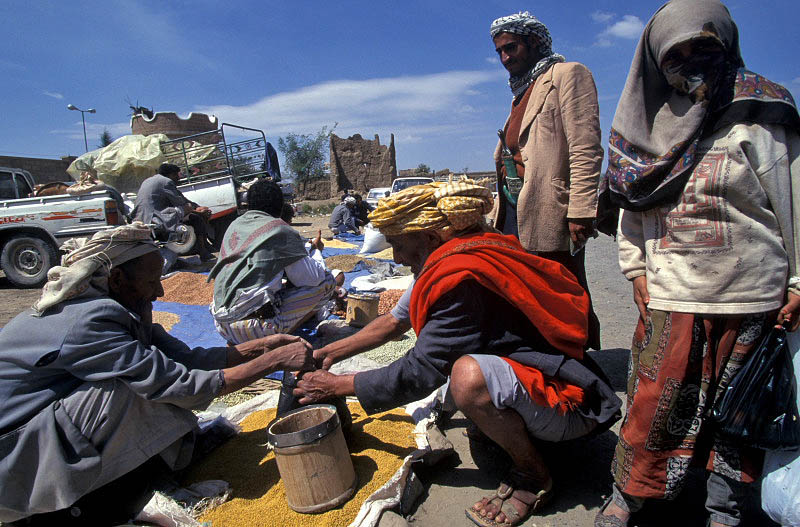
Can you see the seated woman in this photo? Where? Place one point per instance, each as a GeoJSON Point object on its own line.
{"type": "Point", "coordinates": [265, 282]}
{"type": "Point", "coordinates": [506, 326]}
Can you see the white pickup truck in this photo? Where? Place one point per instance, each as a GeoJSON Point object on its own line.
{"type": "Point", "coordinates": [32, 229]}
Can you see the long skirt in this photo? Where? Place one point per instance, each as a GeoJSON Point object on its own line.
{"type": "Point", "coordinates": [680, 364]}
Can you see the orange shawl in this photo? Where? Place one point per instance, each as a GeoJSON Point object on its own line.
{"type": "Point", "coordinates": [545, 291]}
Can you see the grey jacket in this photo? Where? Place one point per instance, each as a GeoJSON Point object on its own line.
{"type": "Point", "coordinates": [160, 202]}
{"type": "Point", "coordinates": [47, 459]}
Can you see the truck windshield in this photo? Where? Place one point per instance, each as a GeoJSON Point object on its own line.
{"type": "Point", "coordinates": [400, 184]}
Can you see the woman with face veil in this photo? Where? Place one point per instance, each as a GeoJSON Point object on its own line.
{"type": "Point", "coordinates": [701, 156]}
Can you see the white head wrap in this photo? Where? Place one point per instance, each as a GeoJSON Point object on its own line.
{"type": "Point", "coordinates": [84, 271]}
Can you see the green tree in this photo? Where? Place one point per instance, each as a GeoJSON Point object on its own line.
{"type": "Point", "coordinates": [305, 154]}
{"type": "Point", "coordinates": [422, 168]}
{"type": "Point", "coordinates": [105, 138]}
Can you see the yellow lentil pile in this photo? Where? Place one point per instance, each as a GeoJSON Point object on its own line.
{"type": "Point", "coordinates": [338, 244]}
{"type": "Point", "coordinates": [389, 299]}
{"type": "Point", "coordinates": [188, 288]}
{"type": "Point", "coordinates": [166, 319]}
{"type": "Point", "coordinates": [378, 445]}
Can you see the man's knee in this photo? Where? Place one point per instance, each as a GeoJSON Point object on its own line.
{"type": "Point", "coordinates": [467, 384]}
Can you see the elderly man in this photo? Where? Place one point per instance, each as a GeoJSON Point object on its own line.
{"type": "Point", "coordinates": [159, 202]}
{"type": "Point", "coordinates": [343, 217]}
{"type": "Point", "coordinates": [549, 155]}
{"type": "Point", "coordinates": [259, 252]}
{"type": "Point", "coordinates": [96, 397]}
{"type": "Point", "coordinates": [508, 328]}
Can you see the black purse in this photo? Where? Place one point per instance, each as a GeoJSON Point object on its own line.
{"type": "Point", "coordinates": [758, 407]}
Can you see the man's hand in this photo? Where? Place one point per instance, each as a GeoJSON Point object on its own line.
{"type": "Point", "coordinates": [323, 358]}
{"type": "Point", "coordinates": [640, 295]}
{"type": "Point", "coordinates": [580, 229]}
{"type": "Point", "coordinates": [790, 313]}
{"type": "Point", "coordinates": [205, 211]}
{"type": "Point", "coordinates": [277, 340]}
{"type": "Point", "coordinates": [316, 386]}
{"type": "Point", "coordinates": [317, 242]}
{"type": "Point", "coordinates": [294, 356]}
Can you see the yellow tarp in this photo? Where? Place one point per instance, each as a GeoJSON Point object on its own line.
{"type": "Point", "coordinates": [378, 445]}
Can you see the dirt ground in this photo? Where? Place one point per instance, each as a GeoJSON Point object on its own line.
{"type": "Point", "coordinates": [580, 468]}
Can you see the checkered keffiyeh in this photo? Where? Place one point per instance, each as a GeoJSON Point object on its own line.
{"type": "Point", "coordinates": [523, 23]}
{"type": "Point", "coordinates": [442, 206]}
{"type": "Point", "coordinates": [527, 25]}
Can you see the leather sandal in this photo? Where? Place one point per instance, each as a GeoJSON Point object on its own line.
{"type": "Point", "coordinates": [514, 480]}
{"type": "Point", "coordinates": [601, 520]}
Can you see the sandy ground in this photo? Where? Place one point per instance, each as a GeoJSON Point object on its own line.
{"type": "Point", "coordinates": [580, 468]}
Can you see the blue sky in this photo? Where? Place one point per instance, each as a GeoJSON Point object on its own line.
{"type": "Point", "coordinates": [422, 69]}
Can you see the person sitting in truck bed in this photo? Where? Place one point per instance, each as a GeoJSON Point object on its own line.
{"type": "Point", "coordinates": [97, 398]}
{"type": "Point", "coordinates": [343, 217]}
{"type": "Point", "coordinates": [259, 250]}
{"type": "Point", "coordinates": [159, 202]}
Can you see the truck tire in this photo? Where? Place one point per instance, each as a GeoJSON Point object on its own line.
{"type": "Point", "coordinates": [25, 260]}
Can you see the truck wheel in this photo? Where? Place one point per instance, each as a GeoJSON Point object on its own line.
{"type": "Point", "coordinates": [26, 259]}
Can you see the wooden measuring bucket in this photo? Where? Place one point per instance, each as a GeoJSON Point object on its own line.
{"type": "Point", "coordinates": [312, 458]}
{"type": "Point", "coordinates": [362, 308]}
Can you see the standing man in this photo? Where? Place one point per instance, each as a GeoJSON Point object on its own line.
{"type": "Point", "coordinates": [549, 155]}
{"type": "Point", "coordinates": [161, 203]}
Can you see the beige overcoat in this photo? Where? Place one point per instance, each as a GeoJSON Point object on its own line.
{"type": "Point", "coordinates": [560, 146]}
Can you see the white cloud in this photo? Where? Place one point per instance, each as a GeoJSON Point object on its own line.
{"type": "Point", "coordinates": [54, 95]}
{"type": "Point", "coordinates": [93, 131]}
{"type": "Point", "coordinates": [601, 17]}
{"type": "Point", "coordinates": [603, 42]}
{"type": "Point", "coordinates": [406, 106]}
{"type": "Point", "coordinates": [493, 60]}
{"type": "Point", "coordinates": [629, 27]}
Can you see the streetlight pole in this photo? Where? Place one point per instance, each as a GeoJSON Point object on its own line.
{"type": "Point", "coordinates": [90, 110]}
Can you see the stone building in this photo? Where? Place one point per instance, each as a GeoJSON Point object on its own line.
{"type": "Point", "coordinates": [359, 164]}
{"type": "Point", "coordinates": [173, 126]}
{"type": "Point", "coordinates": [42, 170]}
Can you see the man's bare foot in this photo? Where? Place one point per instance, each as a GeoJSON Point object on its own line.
{"type": "Point", "coordinates": [515, 499]}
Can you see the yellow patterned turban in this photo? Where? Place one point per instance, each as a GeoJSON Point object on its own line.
{"type": "Point", "coordinates": [442, 206]}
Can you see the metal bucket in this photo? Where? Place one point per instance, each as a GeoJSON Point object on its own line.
{"type": "Point", "coordinates": [313, 459]}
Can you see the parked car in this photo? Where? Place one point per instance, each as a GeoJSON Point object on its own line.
{"type": "Point", "coordinates": [405, 182]}
{"type": "Point", "coordinates": [33, 229]}
{"type": "Point", "coordinates": [377, 193]}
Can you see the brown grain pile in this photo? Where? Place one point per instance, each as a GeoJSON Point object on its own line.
{"type": "Point", "coordinates": [166, 319]}
{"type": "Point", "coordinates": [386, 254]}
{"type": "Point", "coordinates": [188, 288]}
{"type": "Point", "coordinates": [389, 299]}
{"type": "Point", "coordinates": [378, 446]}
{"type": "Point", "coordinates": [344, 262]}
